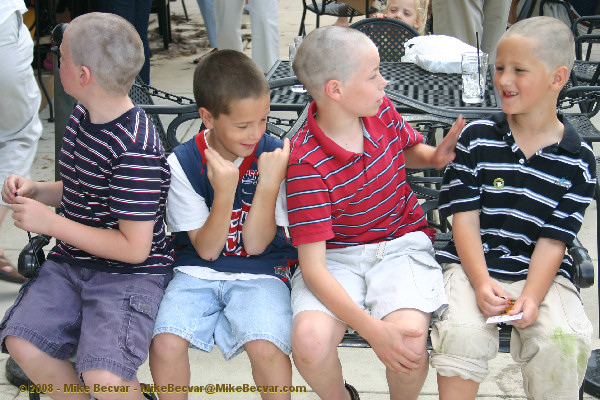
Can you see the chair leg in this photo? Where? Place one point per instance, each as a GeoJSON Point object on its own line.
{"type": "Point", "coordinates": [185, 11]}
{"type": "Point", "coordinates": [302, 30]}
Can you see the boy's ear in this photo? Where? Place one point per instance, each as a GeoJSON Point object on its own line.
{"type": "Point", "coordinates": [560, 76]}
{"type": "Point", "coordinates": [333, 89]}
{"type": "Point", "coordinates": [206, 117]}
{"type": "Point", "coordinates": [85, 75]}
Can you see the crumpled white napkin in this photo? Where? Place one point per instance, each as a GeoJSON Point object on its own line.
{"type": "Point", "coordinates": [436, 53]}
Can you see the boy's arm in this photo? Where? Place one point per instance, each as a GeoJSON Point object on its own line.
{"type": "Point", "coordinates": [130, 243]}
{"type": "Point", "coordinates": [48, 193]}
{"type": "Point", "coordinates": [385, 338]}
{"type": "Point", "coordinates": [467, 238]}
{"type": "Point", "coordinates": [545, 262]}
{"type": "Point", "coordinates": [223, 175]}
{"type": "Point", "coordinates": [259, 227]}
{"type": "Point", "coordinates": [422, 155]}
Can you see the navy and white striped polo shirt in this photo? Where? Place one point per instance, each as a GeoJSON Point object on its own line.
{"type": "Point", "coordinates": [109, 172]}
{"type": "Point", "coordinates": [519, 200]}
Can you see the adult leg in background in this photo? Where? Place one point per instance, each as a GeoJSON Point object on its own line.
{"type": "Point", "coordinates": [138, 14]}
{"type": "Point", "coordinates": [210, 23]}
{"type": "Point", "coordinates": [463, 19]}
{"type": "Point", "coordinates": [264, 20]}
{"type": "Point", "coordinates": [228, 15]}
{"type": "Point", "coordinates": [20, 124]}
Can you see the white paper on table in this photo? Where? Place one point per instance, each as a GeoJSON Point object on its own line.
{"type": "Point", "coordinates": [436, 53]}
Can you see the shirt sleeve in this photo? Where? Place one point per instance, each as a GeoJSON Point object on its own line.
{"type": "Point", "coordinates": [281, 216]}
{"type": "Point", "coordinates": [186, 209]}
{"type": "Point", "coordinates": [309, 205]}
{"type": "Point", "coordinates": [135, 186]}
{"type": "Point", "coordinates": [408, 136]}
{"type": "Point", "coordinates": [567, 217]}
{"type": "Point", "coordinates": [460, 188]}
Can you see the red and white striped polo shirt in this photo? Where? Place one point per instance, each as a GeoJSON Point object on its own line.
{"type": "Point", "coordinates": [348, 198]}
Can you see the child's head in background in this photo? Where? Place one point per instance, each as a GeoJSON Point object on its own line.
{"type": "Point", "coordinates": [412, 12]}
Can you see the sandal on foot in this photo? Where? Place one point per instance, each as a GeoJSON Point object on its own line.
{"type": "Point", "coordinates": [12, 275]}
{"type": "Point", "coordinates": [353, 392]}
{"type": "Point", "coordinates": [197, 60]}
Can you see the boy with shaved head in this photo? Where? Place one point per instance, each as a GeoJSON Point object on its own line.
{"type": "Point", "coordinates": [99, 291]}
{"type": "Point", "coordinates": [517, 191]}
{"type": "Point", "coordinates": [365, 252]}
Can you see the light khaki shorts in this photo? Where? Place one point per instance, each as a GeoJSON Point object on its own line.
{"type": "Point", "coordinates": [381, 277]}
{"type": "Point", "coordinates": [553, 351]}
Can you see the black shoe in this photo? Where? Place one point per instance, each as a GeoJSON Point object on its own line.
{"type": "Point", "coordinates": [149, 396]}
{"type": "Point", "coordinates": [353, 392]}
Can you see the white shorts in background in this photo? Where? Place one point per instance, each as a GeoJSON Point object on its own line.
{"type": "Point", "coordinates": [381, 277]}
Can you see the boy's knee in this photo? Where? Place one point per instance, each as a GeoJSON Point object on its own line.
{"type": "Point", "coordinates": [103, 378]}
{"type": "Point", "coordinates": [310, 342]}
{"type": "Point", "coordinates": [263, 351]}
{"type": "Point", "coordinates": [463, 351]}
{"type": "Point", "coordinates": [464, 341]}
{"type": "Point", "coordinates": [20, 349]}
{"type": "Point", "coordinates": [168, 345]}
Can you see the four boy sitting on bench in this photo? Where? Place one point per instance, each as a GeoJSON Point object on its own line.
{"type": "Point", "coordinates": [365, 254]}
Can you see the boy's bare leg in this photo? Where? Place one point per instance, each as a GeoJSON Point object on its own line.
{"type": "Point", "coordinates": [105, 380]}
{"type": "Point", "coordinates": [315, 337]}
{"type": "Point", "coordinates": [170, 364]}
{"type": "Point", "coordinates": [43, 369]}
{"type": "Point", "coordinates": [270, 367]}
{"type": "Point", "coordinates": [408, 386]}
{"type": "Point", "coordinates": [456, 388]}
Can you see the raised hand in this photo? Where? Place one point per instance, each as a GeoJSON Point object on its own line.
{"type": "Point", "coordinates": [272, 166]}
{"type": "Point", "coordinates": [222, 174]}
{"type": "Point", "coordinates": [444, 152]}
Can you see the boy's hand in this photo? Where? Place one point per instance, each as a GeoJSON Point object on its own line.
{"type": "Point", "coordinates": [388, 344]}
{"type": "Point", "coordinates": [32, 216]}
{"type": "Point", "coordinates": [272, 166]}
{"type": "Point", "coordinates": [529, 307]}
{"type": "Point", "coordinates": [444, 152]}
{"type": "Point", "coordinates": [16, 184]}
{"type": "Point", "coordinates": [222, 174]}
{"type": "Point", "coordinates": [491, 299]}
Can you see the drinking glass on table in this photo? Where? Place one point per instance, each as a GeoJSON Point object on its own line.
{"type": "Point", "coordinates": [474, 67]}
{"type": "Point", "coordinates": [293, 49]}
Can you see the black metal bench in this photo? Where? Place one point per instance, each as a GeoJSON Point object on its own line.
{"type": "Point", "coordinates": [431, 122]}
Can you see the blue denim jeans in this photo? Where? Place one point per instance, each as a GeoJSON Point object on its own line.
{"type": "Point", "coordinates": [208, 15]}
{"type": "Point", "coordinates": [138, 13]}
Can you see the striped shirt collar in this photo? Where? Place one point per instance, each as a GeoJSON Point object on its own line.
{"type": "Point", "coordinates": [332, 148]}
{"type": "Point", "coordinates": [570, 142]}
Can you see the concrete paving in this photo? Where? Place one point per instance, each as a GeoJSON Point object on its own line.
{"type": "Point", "coordinates": [361, 366]}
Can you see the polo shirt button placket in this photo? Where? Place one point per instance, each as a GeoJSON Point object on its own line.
{"type": "Point", "coordinates": [522, 161]}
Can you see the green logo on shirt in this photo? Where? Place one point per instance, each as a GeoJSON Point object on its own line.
{"type": "Point", "coordinates": [498, 183]}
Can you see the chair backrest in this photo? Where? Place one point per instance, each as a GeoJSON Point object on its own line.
{"type": "Point", "coordinates": [140, 95]}
{"type": "Point", "coordinates": [560, 9]}
{"type": "Point", "coordinates": [388, 34]}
